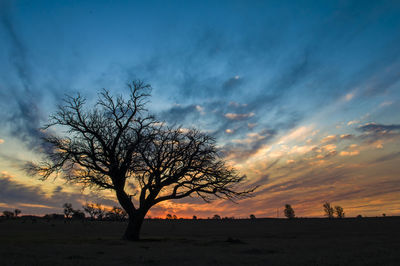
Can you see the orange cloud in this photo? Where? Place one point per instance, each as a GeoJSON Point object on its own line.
{"type": "Point", "coordinates": [349, 153]}
{"type": "Point", "coordinates": [329, 138]}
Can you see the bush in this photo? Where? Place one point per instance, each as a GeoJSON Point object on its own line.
{"type": "Point", "coordinates": [8, 214]}
{"type": "Point", "coordinates": [216, 217]}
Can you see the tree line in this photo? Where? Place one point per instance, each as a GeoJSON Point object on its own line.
{"type": "Point", "coordinates": [329, 211]}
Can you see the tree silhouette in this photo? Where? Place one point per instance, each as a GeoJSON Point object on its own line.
{"type": "Point", "coordinates": [17, 212]}
{"type": "Point", "coordinates": [328, 209]}
{"type": "Point", "coordinates": [216, 217]}
{"type": "Point", "coordinates": [99, 211]}
{"type": "Point", "coordinates": [289, 212]}
{"type": "Point", "coordinates": [95, 211]}
{"type": "Point", "coordinates": [339, 212]}
{"type": "Point", "coordinates": [116, 214]}
{"type": "Point", "coordinates": [8, 214]}
{"type": "Point", "coordinates": [252, 216]}
{"type": "Point", "coordinates": [68, 210]}
{"type": "Point", "coordinates": [116, 142]}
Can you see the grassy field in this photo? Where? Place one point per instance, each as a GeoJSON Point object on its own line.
{"type": "Point", "coordinates": [367, 241]}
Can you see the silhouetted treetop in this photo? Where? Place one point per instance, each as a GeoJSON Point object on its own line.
{"type": "Point", "coordinates": [99, 142]}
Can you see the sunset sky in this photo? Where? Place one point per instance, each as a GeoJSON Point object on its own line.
{"type": "Point", "coordinates": [302, 96]}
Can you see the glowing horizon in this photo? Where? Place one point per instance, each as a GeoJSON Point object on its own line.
{"type": "Point", "coordinates": [303, 98]}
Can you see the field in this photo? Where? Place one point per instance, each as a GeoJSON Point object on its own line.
{"type": "Point", "coordinates": [367, 241]}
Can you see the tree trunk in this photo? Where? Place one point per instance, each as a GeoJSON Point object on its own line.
{"type": "Point", "coordinates": [132, 232]}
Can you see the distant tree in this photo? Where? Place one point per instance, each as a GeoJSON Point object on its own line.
{"type": "Point", "coordinates": [100, 211]}
{"type": "Point", "coordinates": [68, 210]}
{"type": "Point", "coordinates": [328, 209]}
{"type": "Point", "coordinates": [216, 217]}
{"type": "Point", "coordinates": [194, 217]}
{"type": "Point", "coordinates": [339, 212]}
{"type": "Point", "coordinates": [8, 214]}
{"type": "Point", "coordinates": [117, 141]}
{"type": "Point", "coordinates": [289, 212]}
{"type": "Point", "coordinates": [384, 214]}
{"type": "Point", "coordinates": [90, 209]}
{"type": "Point", "coordinates": [252, 216]}
{"type": "Point", "coordinates": [359, 216]}
{"type": "Point", "coordinates": [17, 212]}
{"type": "Point", "coordinates": [174, 217]}
{"type": "Point", "coordinates": [116, 214]}
{"type": "Point", "coordinates": [95, 211]}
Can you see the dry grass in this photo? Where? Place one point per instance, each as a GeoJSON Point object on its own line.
{"type": "Point", "coordinates": [368, 241]}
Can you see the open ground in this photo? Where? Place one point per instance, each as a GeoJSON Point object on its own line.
{"type": "Point", "coordinates": [366, 241]}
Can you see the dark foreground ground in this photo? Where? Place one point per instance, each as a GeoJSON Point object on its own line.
{"type": "Point", "coordinates": [367, 241]}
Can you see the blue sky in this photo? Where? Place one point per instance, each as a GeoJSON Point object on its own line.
{"type": "Point", "coordinates": [267, 78]}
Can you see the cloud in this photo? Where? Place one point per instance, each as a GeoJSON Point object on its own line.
{"type": "Point", "coordinates": [253, 137]}
{"type": "Point", "coordinates": [24, 119]}
{"type": "Point", "coordinates": [32, 198]}
{"type": "Point", "coordinates": [200, 109]}
{"type": "Point", "coordinates": [349, 96]}
{"type": "Point", "coordinates": [301, 149]}
{"type": "Point", "coordinates": [352, 122]}
{"type": "Point", "coordinates": [235, 104]}
{"type": "Point", "coordinates": [229, 131]}
{"type": "Point", "coordinates": [232, 83]}
{"type": "Point", "coordinates": [349, 153]}
{"type": "Point", "coordinates": [240, 150]}
{"type": "Point", "coordinates": [182, 114]}
{"type": "Point", "coordinates": [329, 147]}
{"type": "Point", "coordinates": [387, 157]}
{"type": "Point", "coordinates": [346, 136]}
{"type": "Point", "coordinates": [386, 103]}
{"type": "Point", "coordinates": [1, 141]}
{"type": "Point", "coordinates": [233, 116]}
{"type": "Point", "coordinates": [378, 128]}
{"type": "Point", "coordinates": [330, 138]}
{"type": "Point", "coordinates": [297, 134]}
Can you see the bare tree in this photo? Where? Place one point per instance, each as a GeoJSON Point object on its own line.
{"type": "Point", "coordinates": [116, 142]}
{"type": "Point", "coordinates": [116, 214]}
{"type": "Point", "coordinates": [289, 212]}
{"type": "Point", "coordinates": [90, 209]}
{"type": "Point", "coordinates": [328, 209]}
{"type": "Point", "coordinates": [68, 210]}
{"type": "Point", "coordinates": [339, 212]}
